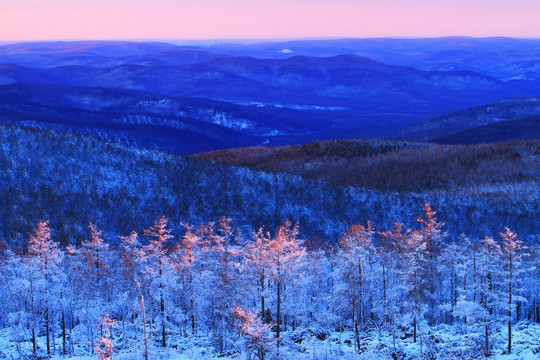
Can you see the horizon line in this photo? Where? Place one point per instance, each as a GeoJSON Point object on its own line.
{"type": "Point", "coordinates": [261, 39]}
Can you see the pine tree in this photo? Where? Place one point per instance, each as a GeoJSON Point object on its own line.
{"type": "Point", "coordinates": [104, 346]}
{"type": "Point", "coordinates": [433, 236]}
{"type": "Point", "coordinates": [257, 334]}
{"type": "Point", "coordinates": [489, 295]}
{"type": "Point", "coordinates": [512, 253]}
{"type": "Point", "coordinates": [131, 256]}
{"type": "Point", "coordinates": [45, 257]}
{"type": "Point", "coordinates": [186, 253]}
{"type": "Point", "coordinates": [286, 254]}
{"type": "Point", "coordinates": [92, 264]}
{"type": "Point", "coordinates": [95, 255]}
{"type": "Point", "coordinates": [393, 252]}
{"type": "Point", "coordinates": [127, 278]}
{"type": "Point", "coordinates": [533, 281]}
{"type": "Point", "coordinates": [258, 261]}
{"type": "Point", "coordinates": [415, 283]}
{"type": "Point", "coordinates": [226, 278]}
{"type": "Point", "coordinates": [157, 261]}
{"type": "Point", "coordinates": [356, 255]}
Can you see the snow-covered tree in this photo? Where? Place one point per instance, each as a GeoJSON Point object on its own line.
{"type": "Point", "coordinates": [45, 262]}
{"type": "Point", "coordinates": [489, 268]}
{"type": "Point", "coordinates": [433, 237]}
{"type": "Point", "coordinates": [91, 263]}
{"type": "Point", "coordinates": [258, 336]}
{"type": "Point", "coordinates": [104, 347]}
{"type": "Point", "coordinates": [512, 254]}
{"type": "Point", "coordinates": [258, 264]}
{"type": "Point", "coordinates": [286, 254]}
{"type": "Point", "coordinates": [157, 265]}
{"type": "Point", "coordinates": [356, 258]}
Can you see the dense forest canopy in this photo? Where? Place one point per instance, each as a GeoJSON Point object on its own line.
{"type": "Point", "coordinates": [72, 180]}
{"type": "Point", "coordinates": [393, 166]}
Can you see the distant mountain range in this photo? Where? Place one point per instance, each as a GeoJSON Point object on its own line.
{"type": "Point", "coordinates": [175, 124]}
{"type": "Point", "coordinates": [186, 99]}
{"type": "Point", "coordinates": [498, 57]}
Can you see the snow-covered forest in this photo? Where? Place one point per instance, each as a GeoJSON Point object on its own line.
{"type": "Point", "coordinates": [211, 290]}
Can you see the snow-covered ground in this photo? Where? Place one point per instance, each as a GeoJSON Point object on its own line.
{"type": "Point", "coordinates": [441, 342]}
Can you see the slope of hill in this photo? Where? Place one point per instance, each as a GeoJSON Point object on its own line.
{"type": "Point", "coordinates": [177, 125]}
{"type": "Point", "coordinates": [505, 109]}
{"type": "Point", "coordinates": [393, 166]}
{"type": "Point", "coordinates": [71, 180]}
{"type": "Point", "coordinates": [508, 130]}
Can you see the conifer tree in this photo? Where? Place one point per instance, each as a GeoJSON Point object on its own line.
{"type": "Point", "coordinates": [186, 253]}
{"type": "Point", "coordinates": [92, 265]}
{"type": "Point", "coordinates": [226, 277]}
{"type": "Point", "coordinates": [258, 261]}
{"type": "Point", "coordinates": [157, 262]}
{"type": "Point", "coordinates": [357, 252]}
{"type": "Point", "coordinates": [46, 257]}
{"type": "Point", "coordinates": [416, 283]}
{"type": "Point", "coordinates": [512, 253]}
{"type": "Point", "coordinates": [489, 295]}
{"type": "Point", "coordinates": [104, 346]}
{"type": "Point", "coordinates": [257, 334]}
{"type": "Point", "coordinates": [433, 236]}
{"type": "Point", "coordinates": [285, 253]}
{"type": "Point", "coordinates": [392, 253]}
{"type": "Point", "coordinates": [128, 278]}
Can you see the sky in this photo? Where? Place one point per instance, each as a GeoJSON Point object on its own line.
{"type": "Point", "coordinates": [264, 19]}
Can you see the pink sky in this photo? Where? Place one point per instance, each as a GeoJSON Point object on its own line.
{"type": "Point", "coordinates": [219, 19]}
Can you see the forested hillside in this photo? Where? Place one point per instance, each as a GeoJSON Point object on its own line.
{"type": "Point", "coordinates": [473, 118]}
{"type": "Point", "coordinates": [394, 166]}
{"type": "Point", "coordinates": [508, 130]}
{"type": "Point", "coordinates": [72, 180]}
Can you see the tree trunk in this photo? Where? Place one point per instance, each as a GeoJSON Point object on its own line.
{"type": "Point", "coordinates": [34, 340]}
{"type": "Point", "coordinates": [263, 317]}
{"type": "Point", "coordinates": [487, 340]}
{"type": "Point", "coordinates": [384, 283]}
{"type": "Point", "coordinates": [162, 307]}
{"type": "Point", "coordinates": [163, 341]}
{"type": "Point", "coordinates": [63, 333]}
{"type": "Point", "coordinates": [278, 309]}
{"type": "Point", "coordinates": [192, 317]}
{"type": "Point", "coordinates": [355, 325]}
{"type": "Point", "coordinates": [47, 335]}
{"type": "Point", "coordinates": [414, 329]}
{"type": "Point", "coordinates": [191, 302]}
{"type": "Point", "coordinates": [509, 336]}
{"type": "Point", "coordinates": [510, 309]}
{"type": "Point", "coordinates": [143, 321]}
